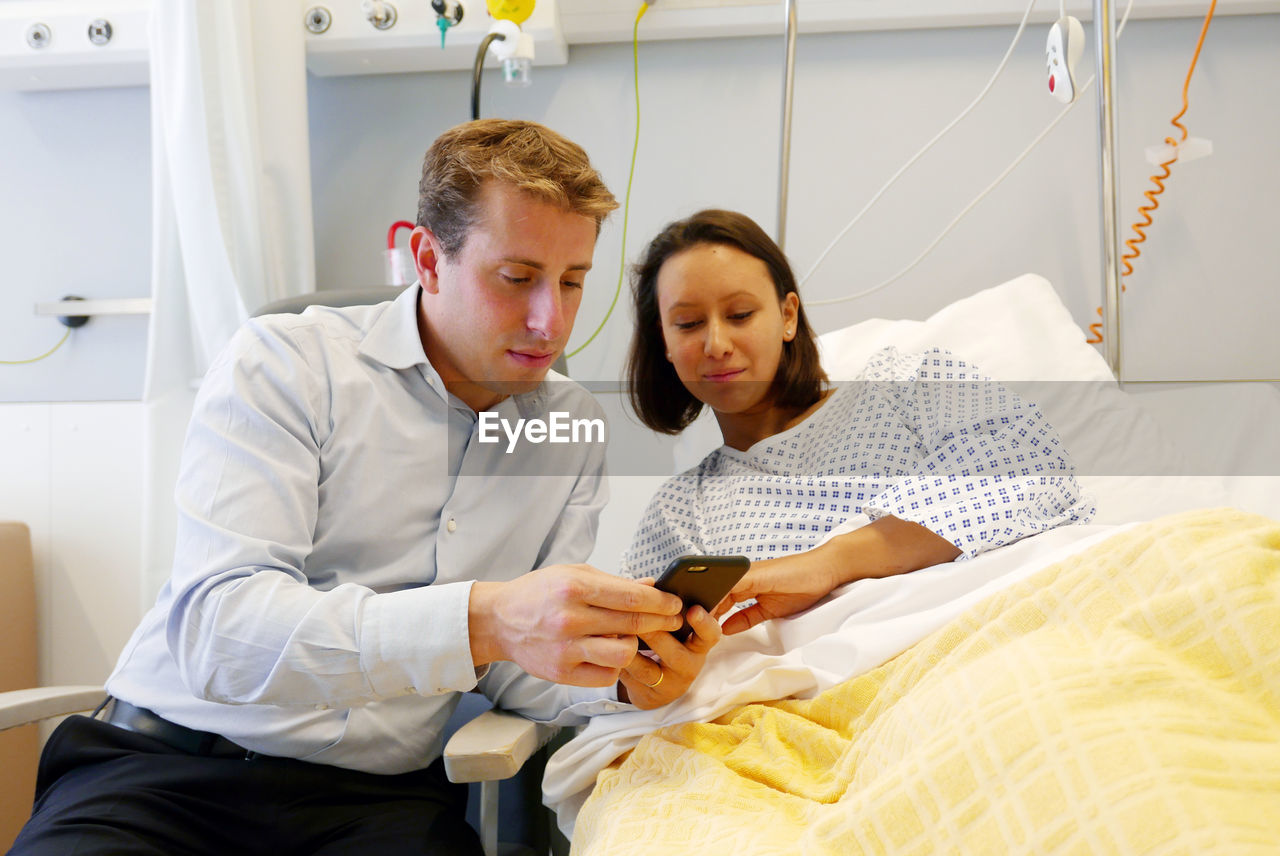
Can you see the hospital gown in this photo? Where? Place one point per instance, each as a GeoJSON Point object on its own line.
{"type": "Point", "coordinates": [923, 437]}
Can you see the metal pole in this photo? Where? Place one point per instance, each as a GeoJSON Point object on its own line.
{"type": "Point", "coordinates": [788, 89]}
{"type": "Point", "coordinates": [1104, 51]}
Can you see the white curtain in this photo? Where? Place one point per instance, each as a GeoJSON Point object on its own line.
{"type": "Point", "coordinates": [231, 210]}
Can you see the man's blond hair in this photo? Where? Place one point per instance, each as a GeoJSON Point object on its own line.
{"type": "Point", "coordinates": [524, 155]}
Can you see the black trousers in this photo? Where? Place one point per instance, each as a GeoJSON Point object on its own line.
{"type": "Point", "coordinates": [104, 790]}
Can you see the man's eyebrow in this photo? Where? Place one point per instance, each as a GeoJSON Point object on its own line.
{"type": "Point", "coordinates": [536, 265]}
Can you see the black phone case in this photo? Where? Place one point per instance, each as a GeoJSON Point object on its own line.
{"type": "Point", "coordinates": [703, 580]}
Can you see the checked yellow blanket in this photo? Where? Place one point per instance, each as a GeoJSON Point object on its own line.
{"type": "Point", "coordinates": [1126, 700]}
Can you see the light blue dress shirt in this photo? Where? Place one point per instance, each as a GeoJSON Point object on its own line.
{"type": "Point", "coordinates": [334, 508]}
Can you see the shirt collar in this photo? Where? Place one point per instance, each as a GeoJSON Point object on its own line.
{"type": "Point", "coordinates": [394, 341]}
{"type": "Point", "coordinates": [393, 338]}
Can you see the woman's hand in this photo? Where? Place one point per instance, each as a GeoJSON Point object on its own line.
{"type": "Point", "coordinates": [650, 682]}
{"type": "Point", "coordinates": [780, 587]}
{"type": "Point", "coordinates": [791, 584]}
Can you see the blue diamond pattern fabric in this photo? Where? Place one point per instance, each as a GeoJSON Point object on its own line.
{"type": "Point", "coordinates": [924, 437]}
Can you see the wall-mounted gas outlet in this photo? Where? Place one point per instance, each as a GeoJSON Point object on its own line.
{"type": "Point", "coordinates": [73, 43]}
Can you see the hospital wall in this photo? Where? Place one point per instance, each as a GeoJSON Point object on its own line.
{"type": "Point", "coordinates": [74, 218]}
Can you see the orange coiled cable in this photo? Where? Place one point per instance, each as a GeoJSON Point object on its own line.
{"type": "Point", "coordinates": [1158, 180]}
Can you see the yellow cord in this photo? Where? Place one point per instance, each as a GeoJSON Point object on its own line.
{"type": "Point", "coordinates": [626, 205]}
{"type": "Point", "coordinates": [39, 358]}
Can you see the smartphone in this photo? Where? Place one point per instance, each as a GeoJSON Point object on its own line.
{"type": "Point", "coordinates": [703, 580]}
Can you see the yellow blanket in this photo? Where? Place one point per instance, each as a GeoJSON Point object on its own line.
{"type": "Point", "coordinates": [1126, 701]}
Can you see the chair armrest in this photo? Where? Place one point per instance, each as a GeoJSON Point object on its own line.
{"type": "Point", "coordinates": [494, 746]}
{"type": "Point", "coordinates": [23, 707]}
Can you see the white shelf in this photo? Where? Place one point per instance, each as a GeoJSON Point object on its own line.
{"type": "Point", "coordinates": [104, 306]}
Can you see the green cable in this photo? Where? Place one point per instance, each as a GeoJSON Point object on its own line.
{"type": "Point", "coordinates": [39, 358]}
{"type": "Point", "coordinates": [626, 206]}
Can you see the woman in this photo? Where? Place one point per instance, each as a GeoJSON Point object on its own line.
{"type": "Point", "coordinates": [921, 461]}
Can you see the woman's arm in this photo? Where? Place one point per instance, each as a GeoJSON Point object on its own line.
{"type": "Point", "coordinates": [790, 584]}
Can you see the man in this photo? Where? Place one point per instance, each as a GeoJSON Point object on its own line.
{"type": "Point", "coordinates": [352, 554]}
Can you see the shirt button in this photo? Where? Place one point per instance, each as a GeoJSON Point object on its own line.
{"type": "Point", "coordinates": [452, 525]}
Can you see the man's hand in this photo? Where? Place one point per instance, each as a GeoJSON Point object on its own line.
{"type": "Point", "coordinates": [651, 683]}
{"type": "Point", "coordinates": [572, 624]}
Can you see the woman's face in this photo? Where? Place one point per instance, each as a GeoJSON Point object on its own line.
{"type": "Point", "coordinates": [724, 326]}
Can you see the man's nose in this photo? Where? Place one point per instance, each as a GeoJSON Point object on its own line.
{"type": "Point", "coordinates": [546, 311]}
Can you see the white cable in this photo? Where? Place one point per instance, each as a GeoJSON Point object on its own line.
{"type": "Point", "coordinates": [874, 199]}
{"type": "Point", "coordinates": [979, 198]}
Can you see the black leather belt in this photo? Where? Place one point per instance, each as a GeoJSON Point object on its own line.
{"type": "Point", "coordinates": [139, 720]}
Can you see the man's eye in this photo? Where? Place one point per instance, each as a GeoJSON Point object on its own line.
{"type": "Point", "coordinates": [516, 280]}
{"type": "Point", "coordinates": [572, 283]}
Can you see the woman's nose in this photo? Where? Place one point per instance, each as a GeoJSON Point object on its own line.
{"type": "Point", "coordinates": [717, 343]}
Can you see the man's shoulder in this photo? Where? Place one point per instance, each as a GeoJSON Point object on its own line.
{"type": "Point", "coordinates": [560, 393]}
{"type": "Point", "coordinates": [321, 323]}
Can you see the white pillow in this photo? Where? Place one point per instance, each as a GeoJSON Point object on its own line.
{"type": "Point", "coordinates": [1020, 333]}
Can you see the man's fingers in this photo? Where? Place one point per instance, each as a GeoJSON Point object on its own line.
{"type": "Point", "coordinates": [645, 671]}
{"type": "Point", "coordinates": [590, 675]}
{"type": "Point", "coordinates": [610, 622]}
{"type": "Point", "coordinates": [609, 652]}
{"type": "Point", "coordinates": [615, 593]}
{"type": "Point", "coordinates": [706, 630]}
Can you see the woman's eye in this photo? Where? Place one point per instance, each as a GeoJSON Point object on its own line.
{"type": "Point", "coordinates": [742, 316]}
{"type": "Point", "coordinates": [572, 283]}
{"type": "Point", "coordinates": [685, 325]}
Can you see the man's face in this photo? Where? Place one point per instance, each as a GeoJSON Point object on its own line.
{"type": "Point", "coordinates": [496, 314]}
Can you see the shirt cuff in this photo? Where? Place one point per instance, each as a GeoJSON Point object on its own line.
{"type": "Point", "coordinates": [418, 641]}
{"type": "Point", "coordinates": [586, 702]}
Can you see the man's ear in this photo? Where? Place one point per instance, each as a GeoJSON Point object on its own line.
{"type": "Point", "coordinates": [425, 248]}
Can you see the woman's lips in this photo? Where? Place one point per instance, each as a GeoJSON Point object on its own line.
{"type": "Point", "coordinates": [722, 377]}
{"type": "Point", "coordinates": [533, 360]}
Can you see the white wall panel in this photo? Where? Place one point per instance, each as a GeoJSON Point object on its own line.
{"type": "Point", "coordinates": [96, 490]}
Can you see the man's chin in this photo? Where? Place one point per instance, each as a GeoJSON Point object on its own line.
{"type": "Point", "coordinates": [526, 382]}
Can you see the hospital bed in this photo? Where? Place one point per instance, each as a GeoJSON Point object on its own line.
{"type": "Point", "coordinates": [1106, 688]}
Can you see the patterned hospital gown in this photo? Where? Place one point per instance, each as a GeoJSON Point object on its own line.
{"type": "Point", "coordinates": [923, 437]}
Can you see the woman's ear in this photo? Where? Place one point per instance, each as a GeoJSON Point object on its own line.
{"type": "Point", "coordinates": [425, 249]}
{"type": "Point", "coordinates": [790, 315]}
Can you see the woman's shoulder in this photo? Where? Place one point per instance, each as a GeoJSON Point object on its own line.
{"type": "Point", "coordinates": [892, 364]}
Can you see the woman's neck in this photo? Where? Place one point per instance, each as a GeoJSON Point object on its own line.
{"type": "Point", "coordinates": [741, 431]}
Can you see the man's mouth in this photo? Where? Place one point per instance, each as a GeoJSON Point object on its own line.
{"type": "Point", "coordinates": [533, 359]}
